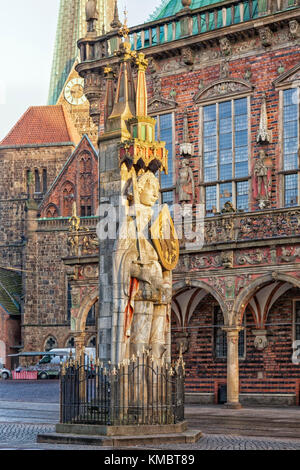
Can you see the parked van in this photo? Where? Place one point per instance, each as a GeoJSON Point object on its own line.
{"type": "Point", "coordinates": [49, 366]}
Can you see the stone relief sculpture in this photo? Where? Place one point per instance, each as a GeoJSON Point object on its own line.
{"type": "Point", "coordinates": [266, 36]}
{"type": "Point", "coordinates": [294, 28]}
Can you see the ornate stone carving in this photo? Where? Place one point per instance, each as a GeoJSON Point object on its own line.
{"type": "Point", "coordinates": [223, 88]}
{"type": "Point", "coordinates": [264, 135]}
{"type": "Point", "coordinates": [158, 102]}
{"type": "Point", "coordinates": [224, 69]}
{"type": "Point", "coordinates": [200, 262]}
{"type": "Point", "coordinates": [289, 254]}
{"type": "Point", "coordinates": [266, 36]}
{"type": "Point", "coordinates": [253, 257]}
{"type": "Point", "coordinates": [93, 89]}
{"type": "Point", "coordinates": [187, 56]}
{"type": "Point", "coordinates": [294, 28]}
{"type": "Point", "coordinates": [260, 340]}
{"type": "Point", "coordinates": [225, 47]}
{"type": "Point", "coordinates": [228, 208]}
{"type": "Point", "coordinates": [227, 259]}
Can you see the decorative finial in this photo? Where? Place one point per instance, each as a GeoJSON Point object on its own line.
{"type": "Point", "coordinates": [264, 135]}
{"type": "Point", "coordinates": [124, 31]}
{"type": "Point", "coordinates": [116, 23]}
{"type": "Point", "coordinates": [186, 3]}
{"type": "Point", "coordinates": [74, 221]}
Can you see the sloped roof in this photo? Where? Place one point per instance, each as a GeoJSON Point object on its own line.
{"type": "Point", "coordinates": [171, 7]}
{"type": "Point", "coordinates": [10, 291]}
{"type": "Point", "coordinates": [42, 125]}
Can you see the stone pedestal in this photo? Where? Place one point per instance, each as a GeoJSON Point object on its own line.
{"type": "Point", "coordinates": [121, 436]}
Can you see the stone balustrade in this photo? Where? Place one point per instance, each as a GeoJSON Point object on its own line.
{"type": "Point", "coordinates": [224, 228]}
{"type": "Point", "coordinates": [185, 24]}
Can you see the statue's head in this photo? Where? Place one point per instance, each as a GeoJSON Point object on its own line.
{"type": "Point", "coordinates": [148, 187]}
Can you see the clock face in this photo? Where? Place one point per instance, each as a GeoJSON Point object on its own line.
{"type": "Point", "coordinates": [74, 91]}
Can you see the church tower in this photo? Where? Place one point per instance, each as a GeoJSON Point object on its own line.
{"type": "Point", "coordinates": [71, 27]}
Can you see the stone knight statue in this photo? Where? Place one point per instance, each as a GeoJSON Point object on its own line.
{"type": "Point", "coordinates": [144, 284]}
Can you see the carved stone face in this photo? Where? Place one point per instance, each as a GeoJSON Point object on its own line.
{"type": "Point", "coordinates": [294, 27]}
{"type": "Point", "coordinates": [265, 36]}
{"type": "Point", "coordinates": [149, 191]}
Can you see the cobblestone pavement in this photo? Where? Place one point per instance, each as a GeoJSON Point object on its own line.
{"type": "Point", "coordinates": [15, 436]}
{"type": "Point", "coordinates": [31, 408]}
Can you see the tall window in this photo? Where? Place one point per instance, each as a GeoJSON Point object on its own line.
{"type": "Point", "coordinates": [296, 320]}
{"type": "Point", "coordinates": [291, 146]}
{"type": "Point", "coordinates": [220, 336]}
{"type": "Point", "coordinates": [225, 154]}
{"type": "Point", "coordinates": [164, 132]}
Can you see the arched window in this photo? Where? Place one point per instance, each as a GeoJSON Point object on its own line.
{"type": "Point", "coordinates": [37, 181]}
{"type": "Point", "coordinates": [44, 181]}
{"type": "Point", "coordinates": [50, 343]}
{"type": "Point", "coordinates": [92, 342]}
{"type": "Point", "coordinates": [70, 342]}
{"type": "Point", "coordinates": [86, 185]}
{"type": "Point", "coordinates": [68, 194]}
{"type": "Point", "coordinates": [51, 211]}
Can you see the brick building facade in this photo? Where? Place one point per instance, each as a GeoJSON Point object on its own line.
{"type": "Point", "coordinates": [223, 84]}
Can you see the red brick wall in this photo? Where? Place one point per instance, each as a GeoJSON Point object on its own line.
{"type": "Point", "coordinates": [264, 69]}
{"type": "Point", "coordinates": [204, 372]}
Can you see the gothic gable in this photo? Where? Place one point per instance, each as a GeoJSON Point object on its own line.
{"type": "Point", "coordinates": [157, 104]}
{"type": "Point", "coordinates": [289, 78]}
{"type": "Point", "coordinates": [226, 87]}
{"type": "Point", "coordinates": [77, 182]}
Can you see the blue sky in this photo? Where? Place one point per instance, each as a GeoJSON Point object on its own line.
{"type": "Point", "coordinates": [27, 34]}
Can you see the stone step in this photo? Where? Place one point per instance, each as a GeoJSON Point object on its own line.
{"type": "Point", "coordinates": [189, 436]}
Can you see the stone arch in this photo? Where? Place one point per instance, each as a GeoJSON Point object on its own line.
{"type": "Point", "coordinates": [86, 304]}
{"type": "Point", "coordinates": [191, 283]}
{"type": "Point", "coordinates": [50, 342]}
{"type": "Point", "coordinates": [69, 342]}
{"type": "Point", "coordinates": [51, 211]}
{"type": "Point", "coordinates": [247, 292]}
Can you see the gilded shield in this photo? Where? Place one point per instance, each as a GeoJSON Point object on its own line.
{"type": "Point", "coordinates": [165, 240]}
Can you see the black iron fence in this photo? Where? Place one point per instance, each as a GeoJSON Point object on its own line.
{"type": "Point", "coordinates": [137, 391]}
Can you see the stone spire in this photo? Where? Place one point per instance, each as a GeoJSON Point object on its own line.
{"type": "Point", "coordinates": [264, 135]}
{"type": "Point", "coordinates": [124, 102]}
{"type": "Point", "coordinates": [186, 148]}
{"type": "Point", "coordinates": [116, 23]}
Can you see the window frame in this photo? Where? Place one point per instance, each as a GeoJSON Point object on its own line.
{"type": "Point", "coordinates": [296, 299]}
{"type": "Point", "coordinates": [233, 180]}
{"type": "Point", "coordinates": [168, 189]}
{"type": "Point", "coordinates": [283, 173]}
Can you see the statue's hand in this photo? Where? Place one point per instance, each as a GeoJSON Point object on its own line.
{"type": "Point", "coordinates": [146, 272]}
